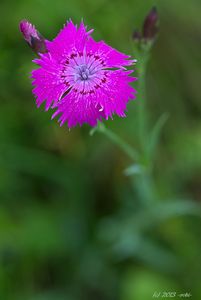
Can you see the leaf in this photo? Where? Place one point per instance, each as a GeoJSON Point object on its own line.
{"type": "Point", "coordinates": [135, 245]}
{"type": "Point", "coordinates": [155, 133]}
{"type": "Point", "coordinates": [164, 211]}
{"type": "Point", "coordinates": [155, 255]}
{"type": "Point", "coordinates": [134, 169]}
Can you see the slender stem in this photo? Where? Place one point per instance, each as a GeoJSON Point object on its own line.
{"type": "Point", "coordinates": [128, 149]}
{"type": "Point", "coordinates": [142, 113]}
{"type": "Point", "coordinates": [144, 182]}
{"type": "Point", "coordinates": [145, 188]}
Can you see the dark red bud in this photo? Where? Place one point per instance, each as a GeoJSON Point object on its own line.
{"type": "Point", "coordinates": [150, 26]}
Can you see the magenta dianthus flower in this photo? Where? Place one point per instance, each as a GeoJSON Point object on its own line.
{"type": "Point", "coordinates": [84, 80]}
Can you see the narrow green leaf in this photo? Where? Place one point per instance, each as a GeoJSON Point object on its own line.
{"type": "Point", "coordinates": [134, 169]}
{"type": "Point", "coordinates": [164, 211]}
{"type": "Point", "coordinates": [155, 133]}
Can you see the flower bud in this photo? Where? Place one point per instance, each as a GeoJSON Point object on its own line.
{"type": "Point", "coordinates": [137, 36]}
{"type": "Point", "coordinates": [146, 38]}
{"type": "Point", "coordinates": [150, 26]}
{"type": "Point", "coordinates": [34, 39]}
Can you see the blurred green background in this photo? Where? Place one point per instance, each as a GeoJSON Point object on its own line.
{"type": "Point", "coordinates": [71, 223]}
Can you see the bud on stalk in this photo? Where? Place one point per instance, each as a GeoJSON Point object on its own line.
{"type": "Point", "coordinates": [33, 38]}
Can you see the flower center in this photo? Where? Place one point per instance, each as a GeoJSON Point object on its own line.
{"type": "Point", "coordinates": [83, 72]}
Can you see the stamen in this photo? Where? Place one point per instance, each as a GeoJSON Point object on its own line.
{"type": "Point", "coordinates": [84, 75]}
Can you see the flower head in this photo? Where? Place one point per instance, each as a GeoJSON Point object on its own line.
{"type": "Point", "coordinates": [84, 80]}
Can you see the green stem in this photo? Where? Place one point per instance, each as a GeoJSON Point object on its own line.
{"type": "Point", "coordinates": [127, 149]}
{"type": "Point", "coordinates": [143, 183]}
{"type": "Point", "coordinates": [142, 113]}
{"type": "Point", "coordinates": [145, 189]}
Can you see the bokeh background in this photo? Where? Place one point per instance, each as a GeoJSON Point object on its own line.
{"type": "Point", "coordinates": [72, 225]}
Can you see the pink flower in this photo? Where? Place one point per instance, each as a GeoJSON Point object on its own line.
{"type": "Point", "coordinates": [84, 80]}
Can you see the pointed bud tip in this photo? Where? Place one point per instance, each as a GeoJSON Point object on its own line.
{"type": "Point", "coordinates": [154, 10]}
{"type": "Point", "coordinates": [150, 26]}
{"type": "Point", "coordinates": [22, 24]}
{"type": "Point", "coordinates": [28, 30]}
{"type": "Point", "coordinates": [32, 37]}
